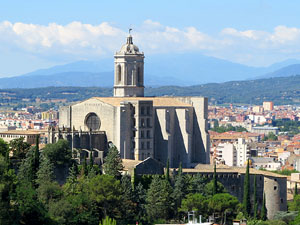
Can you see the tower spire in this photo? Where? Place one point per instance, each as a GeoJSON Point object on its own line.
{"type": "Point", "coordinates": [129, 38]}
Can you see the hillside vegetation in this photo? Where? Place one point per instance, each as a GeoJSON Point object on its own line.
{"type": "Point", "coordinates": [281, 90]}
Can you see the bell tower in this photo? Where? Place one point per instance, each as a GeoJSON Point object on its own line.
{"type": "Point", "coordinates": [129, 71]}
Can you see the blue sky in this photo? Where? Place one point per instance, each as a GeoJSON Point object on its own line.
{"type": "Point", "coordinates": [39, 34]}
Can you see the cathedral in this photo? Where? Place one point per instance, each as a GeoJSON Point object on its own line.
{"type": "Point", "coordinates": [163, 128]}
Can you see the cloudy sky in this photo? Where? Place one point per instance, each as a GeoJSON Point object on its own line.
{"type": "Point", "coordinates": [38, 34]}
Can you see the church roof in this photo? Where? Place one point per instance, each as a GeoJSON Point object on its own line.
{"type": "Point", "coordinates": [157, 101]}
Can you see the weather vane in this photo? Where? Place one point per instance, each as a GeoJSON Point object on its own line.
{"type": "Point", "coordinates": [130, 29]}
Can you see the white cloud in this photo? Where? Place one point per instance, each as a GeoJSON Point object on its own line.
{"type": "Point", "coordinates": [85, 41]}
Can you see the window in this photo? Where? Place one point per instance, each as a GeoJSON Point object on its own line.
{"type": "Point", "coordinates": [148, 122]}
{"type": "Point", "coordinates": [133, 144]}
{"type": "Point", "coordinates": [119, 72]}
{"type": "Point", "coordinates": [142, 145]}
{"type": "Point", "coordinates": [133, 122]}
{"type": "Point", "coordinates": [142, 156]}
{"type": "Point", "coordinates": [148, 144]}
{"type": "Point", "coordinates": [142, 134]}
{"type": "Point", "coordinates": [142, 110]}
{"type": "Point", "coordinates": [148, 110]}
{"type": "Point", "coordinates": [148, 154]}
{"type": "Point", "coordinates": [148, 133]}
{"type": "Point", "coordinates": [275, 188]}
{"type": "Point", "coordinates": [142, 122]}
{"type": "Point", "coordinates": [133, 133]}
{"type": "Point", "coordinates": [92, 121]}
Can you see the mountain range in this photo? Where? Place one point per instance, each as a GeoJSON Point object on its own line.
{"type": "Point", "coordinates": [160, 70]}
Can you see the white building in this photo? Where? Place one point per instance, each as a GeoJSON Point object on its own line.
{"type": "Point", "coordinates": [226, 152]}
{"type": "Point", "coordinates": [243, 152]}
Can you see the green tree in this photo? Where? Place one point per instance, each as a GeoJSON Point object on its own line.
{"type": "Point", "coordinates": [246, 195]}
{"type": "Point", "coordinates": [223, 203]}
{"type": "Point", "coordinates": [194, 202]}
{"type": "Point", "coordinates": [7, 183]}
{"type": "Point", "coordinates": [270, 137]}
{"type": "Point", "coordinates": [71, 183]}
{"type": "Point", "coordinates": [168, 170]}
{"type": "Point", "coordinates": [215, 182]}
{"type": "Point", "coordinates": [254, 199]}
{"type": "Point", "coordinates": [26, 169]}
{"type": "Point", "coordinates": [106, 193]}
{"type": "Point", "coordinates": [36, 163]}
{"type": "Point", "coordinates": [134, 178]}
{"type": "Point", "coordinates": [113, 163]}
{"type": "Point", "coordinates": [91, 162]}
{"type": "Point", "coordinates": [84, 170]}
{"type": "Point", "coordinates": [263, 215]}
{"type": "Point", "coordinates": [128, 208]}
{"type": "Point", "coordinates": [75, 209]}
{"type": "Point", "coordinates": [209, 187]}
{"type": "Point", "coordinates": [295, 190]}
{"type": "Point", "coordinates": [30, 210]}
{"type": "Point", "coordinates": [295, 204]}
{"type": "Point", "coordinates": [196, 184]}
{"type": "Point", "coordinates": [180, 169]}
{"type": "Point", "coordinates": [19, 147]}
{"type": "Point", "coordinates": [4, 148]}
{"type": "Point", "coordinates": [159, 201]}
{"type": "Point", "coordinates": [179, 192]}
{"type": "Point", "coordinates": [59, 153]}
{"type": "Point", "coordinates": [48, 189]}
{"type": "Point", "coordinates": [140, 200]}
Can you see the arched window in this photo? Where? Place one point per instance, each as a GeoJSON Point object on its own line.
{"type": "Point", "coordinates": [119, 73]}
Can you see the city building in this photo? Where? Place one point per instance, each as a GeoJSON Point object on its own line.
{"type": "Point", "coordinates": [268, 106]}
{"type": "Point", "coordinates": [163, 128]}
{"type": "Point", "coordinates": [28, 135]}
{"type": "Point", "coordinates": [242, 152]}
{"type": "Point", "coordinates": [226, 152]}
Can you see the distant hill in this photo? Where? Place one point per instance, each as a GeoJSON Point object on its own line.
{"type": "Point", "coordinates": [160, 70]}
{"type": "Point", "coordinates": [290, 70]}
{"type": "Point", "coordinates": [281, 90]}
{"type": "Point", "coordinates": [79, 79]}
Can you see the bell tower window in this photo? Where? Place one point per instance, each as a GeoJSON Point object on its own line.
{"type": "Point", "coordinates": [119, 73]}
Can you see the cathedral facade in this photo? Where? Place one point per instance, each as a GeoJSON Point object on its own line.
{"type": "Point", "coordinates": [162, 128]}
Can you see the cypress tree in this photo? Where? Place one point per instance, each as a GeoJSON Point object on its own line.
{"type": "Point", "coordinates": [168, 171]}
{"type": "Point", "coordinates": [215, 182]}
{"type": "Point", "coordinates": [246, 197]}
{"type": "Point", "coordinates": [133, 179]}
{"type": "Point", "coordinates": [84, 171]}
{"type": "Point", "coordinates": [37, 154]}
{"type": "Point", "coordinates": [180, 169]}
{"type": "Point", "coordinates": [91, 163]}
{"type": "Point", "coordinates": [113, 163]}
{"type": "Point", "coordinates": [295, 191]}
{"type": "Point", "coordinates": [254, 199]}
{"type": "Point", "coordinates": [263, 215]}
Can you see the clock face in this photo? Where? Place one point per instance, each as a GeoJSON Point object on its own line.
{"type": "Point", "coordinates": [92, 121]}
